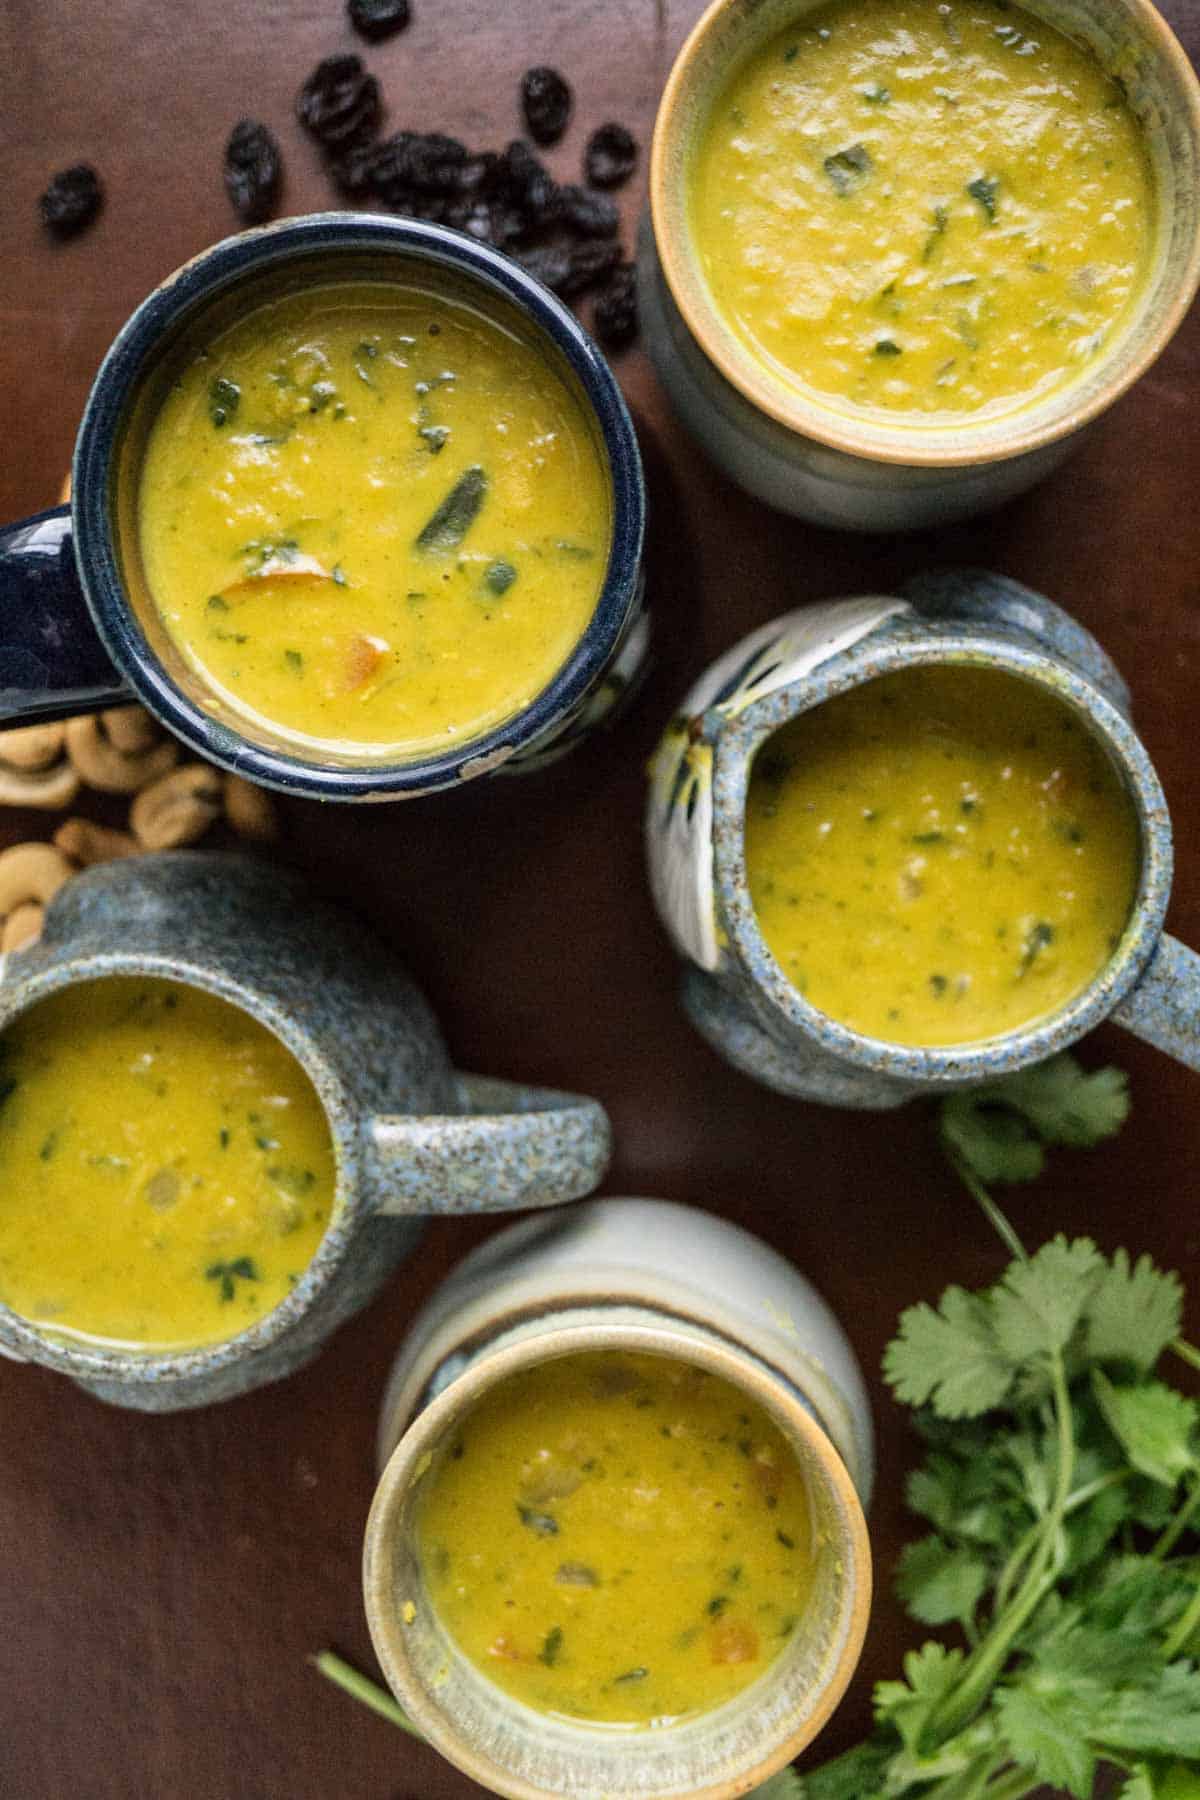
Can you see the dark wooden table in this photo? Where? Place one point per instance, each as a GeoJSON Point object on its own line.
{"type": "Point", "coordinates": [163, 1580]}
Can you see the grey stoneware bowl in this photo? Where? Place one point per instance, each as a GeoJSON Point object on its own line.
{"type": "Point", "coordinates": [653, 1277]}
{"type": "Point", "coordinates": [799, 451]}
{"type": "Point", "coordinates": [79, 629]}
{"type": "Point", "coordinates": [735, 992]}
{"type": "Point", "coordinates": [412, 1137]}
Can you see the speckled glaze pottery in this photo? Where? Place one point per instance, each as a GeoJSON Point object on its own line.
{"type": "Point", "coordinates": [734, 990]}
{"type": "Point", "coordinates": [797, 450]}
{"type": "Point", "coordinates": [78, 627]}
{"type": "Point", "coordinates": [641, 1275]}
{"type": "Point", "coordinates": [411, 1136]}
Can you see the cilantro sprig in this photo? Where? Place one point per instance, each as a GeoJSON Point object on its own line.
{"type": "Point", "coordinates": [1061, 1480]}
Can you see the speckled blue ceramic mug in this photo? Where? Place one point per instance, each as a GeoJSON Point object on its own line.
{"type": "Point", "coordinates": [411, 1136]}
{"type": "Point", "coordinates": [652, 1277]}
{"type": "Point", "coordinates": [733, 988]}
{"type": "Point", "coordinates": [79, 629]}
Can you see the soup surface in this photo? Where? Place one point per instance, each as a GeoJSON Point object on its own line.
{"type": "Point", "coordinates": [940, 855]}
{"type": "Point", "coordinates": [924, 207]}
{"type": "Point", "coordinates": [617, 1537]}
{"type": "Point", "coordinates": [374, 518]}
{"type": "Point", "coordinates": [166, 1171]}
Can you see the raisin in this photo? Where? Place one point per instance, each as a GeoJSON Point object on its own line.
{"type": "Point", "coordinates": [339, 103]}
{"type": "Point", "coordinates": [72, 200]}
{"type": "Point", "coordinates": [550, 264]}
{"type": "Point", "coordinates": [588, 264]}
{"type": "Point", "coordinates": [588, 214]}
{"type": "Point", "coordinates": [615, 319]}
{"type": "Point", "coordinates": [546, 103]}
{"type": "Point", "coordinates": [375, 19]}
{"type": "Point", "coordinates": [523, 180]}
{"type": "Point", "coordinates": [252, 170]}
{"type": "Point", "coordinates": [611, 156]}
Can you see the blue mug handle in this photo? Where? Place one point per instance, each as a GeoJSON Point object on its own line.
{"type": "Point", "coordinates": [1164, 1006]}
{"type": "Point", "coordinates": [52, 662]}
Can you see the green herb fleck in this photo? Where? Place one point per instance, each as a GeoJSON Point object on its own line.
{"type": "Point", "coordinates": [50, 1144]}
{"type": "Point", "coordinates": [887, 347]}
{"type": "Point", "coordinates": [1038, 938]}
{"type": "Point", "coordinates": [216, 604]}
{"type": "Point", "coordinates": [941, 219]}
{"type": "Point", "coordinates": [638, 1674]}
{"type": "Point", "coordinates": [985, 189]}
{"type": "Point", "coordinates": [448, 526]}
{"type": "Point", "coordinates": [929, 837]}
{"type": "Point", "coordinates": [224, 398]}
{"type": "Point", "coordinates": [787, 1542]}
{"type": "Point", "coordinates": [294, 659]}
{"type": "Point", "coordinates": [499, 576]}
{"type": "Point", "coordinates": [435, 437]}
{"type": "Point", "coordinates": [541, 1524]}
{"type": "Point", "coordinates": [227, 1274]}
{"type": "Point", "coordinates": [223, 1137]}
{"type": "Point", "coordinates": [551, 1646]}
{"type": "Point", "coordinates": [339, 575]}
{"type": "Point", "coordinates": [848, 169]}
{"type": "Point", "coordinates": [717, 1605]}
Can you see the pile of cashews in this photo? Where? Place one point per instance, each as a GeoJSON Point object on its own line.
{"type": "Point", "coordinates": [121, 751]}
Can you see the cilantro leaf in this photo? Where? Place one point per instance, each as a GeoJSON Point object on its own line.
{"type": "Point", "coordinates": [949, 1358]}
{"type": "Point", "coordinates": [930, 1674]}
{"type": "Point", "coordinates": [1154, 1425]}
{"type": "Point", "coordinates": [1134, 1313]}
{"type": "Point", "coordinates": [1043, 1730]}
{"type": "Point", "coordinates": [1039, 1303]}
{"type": "Point", "coordinates": [1162, 1720]}
{"type": "Point", "coordinates": [858, 1775]}
{"type": "Point", "coordinates": [784, 1786]}
{"type": "Point", "coordinates": [1140, 1786]}
{"type": "Point", "coordinates": [998, 1131]}
{"type": "Point", "coordinates": [940, 1583]}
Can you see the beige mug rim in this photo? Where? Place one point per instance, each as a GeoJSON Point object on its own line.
{"type": "Point", "coordinates": [738, 1366]}
{"type": "Point", "coordinates": [861, 436]}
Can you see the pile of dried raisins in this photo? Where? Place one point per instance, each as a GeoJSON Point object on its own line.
{"type": "Point", "coordinates": [566, 234]}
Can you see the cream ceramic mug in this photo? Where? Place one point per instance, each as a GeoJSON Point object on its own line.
{"type": "Point", "coordinates": [798, 451]}
{"type": "Point", "coordinates": [632, 1275]}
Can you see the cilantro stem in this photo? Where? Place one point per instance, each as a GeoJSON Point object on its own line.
{"type": "Point", "coordinates": [1013, 1786]}
{"type": "Point", "coordinates": [359, 1688]}
{"type": "Point", "coordinates": [1178, 1525]}
{"type": "Point", "coordinates": [1082, 1496]}
{"type": "Point", "coordinates": [996, 1218]}
{"type": "Point", "coordinates": [1184, 1628]}
{"type": "Point", "coordinates": [984, 1664]}
{"type": "Point", "coordinates": [1188, 1353]}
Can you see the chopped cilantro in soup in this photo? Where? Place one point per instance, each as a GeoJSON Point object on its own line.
{"type": "Point", "coordinates": [166, 1170]}
{"type": "Point", "coordinates": [924, 206]}
{"type": "Point", "coordinates": [940, 855]}
{"type": "Point", "coordinates": [618, 1537]}
{"type": "Point", "coordinates": [374, 518]}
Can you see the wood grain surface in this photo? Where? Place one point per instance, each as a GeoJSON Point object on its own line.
{"type": "Point", "coordinates": [163, 1580]}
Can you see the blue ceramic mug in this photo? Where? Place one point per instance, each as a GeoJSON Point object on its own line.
{"type": "Point", "coordinates": [411, 1136]}
{"type": "Point", "coordinates": [734, 990]}
{"type": "Point", "coordinates": [79, 629]}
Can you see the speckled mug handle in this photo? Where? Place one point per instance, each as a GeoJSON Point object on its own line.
{"type": "Point", "coordinates": [1164, 1007]}
{"type": "Point", "coordinates": [510, 1147]}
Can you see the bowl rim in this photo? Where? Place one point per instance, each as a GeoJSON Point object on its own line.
{"type": "Point", "coordinates": [980, 1059]}
{"type": "Point", "coordinates": [132, 357]}
{"type": "Point", "coordinates": [863, 435]}
{"type": "Point", "coordinates": [734, 1363]}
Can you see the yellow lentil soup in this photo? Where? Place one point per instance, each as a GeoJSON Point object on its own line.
{"type": "Point", "coordinates": [166, 1170]}
{"type": "Point", "coordinates": [923, 206]}
{"type": "Point", "coordinates": [939, 856]}
{"type": "Point", "coordinates": [617, 1537]}
{"type": "Point", "coordinates": [374, 518]}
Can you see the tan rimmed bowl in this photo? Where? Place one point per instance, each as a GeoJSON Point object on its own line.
{"type": "Point", "coordinates": [517, 1752]}
{"type": "Point", "coordinates": [842, 466]}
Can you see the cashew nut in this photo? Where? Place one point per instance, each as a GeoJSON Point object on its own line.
{"type": "Point", "coordinates": [177, 809]}
{"type": "Point", "coordinates": [250, 810]}
{"type": "Point", "coordinates": [130, 728]}
{"type": "Point", "coordinates": [31, 872]}
{"type": "Point", "coordinates": [22, 926]}
{"type": "Point", "coordinates": [49, 790]}
{"type": "Point", "coordinates": [32, 746]}
{"type": "Point", "coordinates": [87, 843]}
{"type": "Point", "coordinates": [104, 766]}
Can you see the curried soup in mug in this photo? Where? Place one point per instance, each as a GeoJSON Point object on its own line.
{"type": "Point", "coordinates": [924, 206]}
{"type": "Point", "coordinates": [940, 855]}
{"type": "Point", "coordinates": [374, 518]}
{"type": "Point", "coordinates": [166, 1170]}
{"type": "Point", "coordinates": [618, 1537]}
